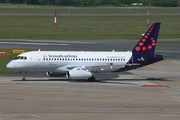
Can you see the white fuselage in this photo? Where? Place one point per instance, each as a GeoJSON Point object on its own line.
{"type": "Point", "coordinates": [62, 61]}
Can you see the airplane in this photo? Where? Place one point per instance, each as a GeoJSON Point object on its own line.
{"type": "Point", "coordinates": [84, 64]}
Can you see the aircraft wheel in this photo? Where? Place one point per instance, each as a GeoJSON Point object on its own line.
{"type": "Point", "coordinates": [23, 79]}
{"type": "Point", "coordinates": [92, 79]}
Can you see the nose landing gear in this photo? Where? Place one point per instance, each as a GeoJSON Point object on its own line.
{"type": "Point", "coordinates": [24, 73]}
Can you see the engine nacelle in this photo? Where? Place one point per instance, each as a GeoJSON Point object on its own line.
{"type": "Point", "coordinates": [78, 74]}
{"type": "Point", "coordinates": [55, 74]}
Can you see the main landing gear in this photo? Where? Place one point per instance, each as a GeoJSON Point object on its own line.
{"type": "Point", "coordinates": [24, 73]}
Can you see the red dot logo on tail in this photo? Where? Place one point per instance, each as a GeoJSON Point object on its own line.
{"type": "Point", "coordinates": [149, 47]}
{"type": "Point", "coordinates": [144, 40]}
{"type": "Point", "coordinates": [148, 42]}
{"type": "Point", "coordinates": [138, 48]}
{"type": "Point", "coordinates": [146, 36]}
{"type": "Point", "coordinates": [144, 48]}
{"type": "Point", "coordinates": [141, 43]}
{"type": "Point", "coordinates": [153, 44]}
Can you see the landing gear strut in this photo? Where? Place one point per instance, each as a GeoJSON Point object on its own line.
{"type": "Point", "coordinates": [92, 79]}
{"type": "Point", "coordinates": [24, 75]}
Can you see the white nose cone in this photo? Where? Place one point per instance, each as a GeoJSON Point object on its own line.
{"type": "Point", "coordinates": [10, 65]}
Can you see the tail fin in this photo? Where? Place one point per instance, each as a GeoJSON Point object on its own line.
{"type": "Point", "coordinates": [143, 52]}
{"type": "Point", "coordinates": [147, 43]}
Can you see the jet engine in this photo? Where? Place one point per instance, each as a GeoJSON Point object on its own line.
{"type": "Point", "coordinates": [78, 74]}
{"type": "Point", "coordinates": [55, 74]}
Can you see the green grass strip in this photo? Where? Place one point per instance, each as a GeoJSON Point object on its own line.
{"type": "Point", "coordinates": [84, 28]}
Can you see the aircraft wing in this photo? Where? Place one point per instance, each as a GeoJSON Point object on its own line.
{"type": "Point", "coordinates": [89, 68]}
{"type": "Point", "coordinates": [77, 67]}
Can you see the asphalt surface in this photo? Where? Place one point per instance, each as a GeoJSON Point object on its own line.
{"type": "Point", "coordinates": [123, 97]}
{"type": "Point", "coordinates": [113, 96]}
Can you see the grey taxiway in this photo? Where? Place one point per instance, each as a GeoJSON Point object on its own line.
{"type": "Point", "coordinates": [113, 96]}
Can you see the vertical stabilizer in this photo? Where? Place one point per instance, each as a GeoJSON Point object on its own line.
{"type": "Point", "coordinates": [147, 43]}
{"type": "Point", "coordinates": [143, 52]}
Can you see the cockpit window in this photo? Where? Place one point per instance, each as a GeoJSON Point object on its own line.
{"type": "Point", "coordinates": [20, 58]}
{"type": "Point", "coordinates": [16, 58]}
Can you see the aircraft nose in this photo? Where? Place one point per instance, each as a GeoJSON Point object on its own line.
{"type": "Point", "coordinates": [10, 65]}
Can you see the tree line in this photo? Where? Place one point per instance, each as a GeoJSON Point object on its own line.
{"type": "Point", "coordinates": [89, 3]}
